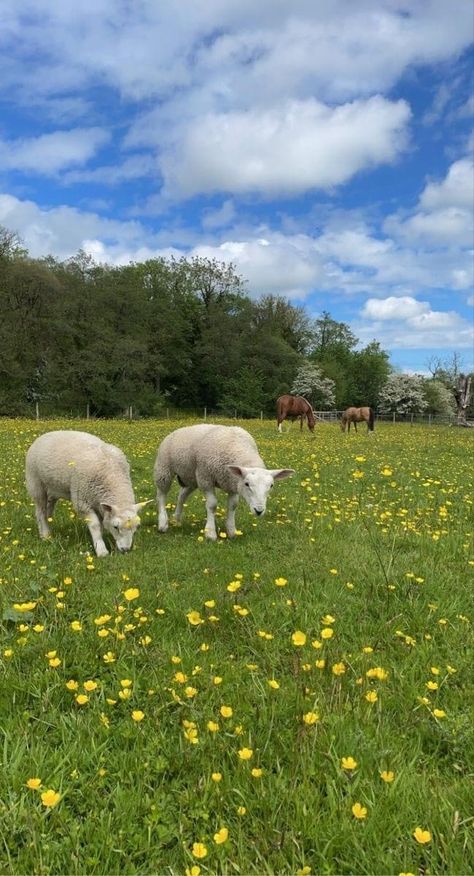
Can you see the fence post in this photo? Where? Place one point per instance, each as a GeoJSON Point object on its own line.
{"type": "Point", "coordinates": [205, 413]}
{"type": "Point", "coordinates": [393, 417]}
{"type": "Point", "coordinates": [37, 410]}
{"type": "Point", "coordinates": [261, 415]}
{"type": "Point", "coordinates": [87, 411]}
{"type": "Point", "coordinates": [167, 413]}
{"type": "Point", "coordinates": [235, 415]}
{"type": "Point", "coordinates": [130, 412]}
{"type": "Point", "coordinates": [411, 419]}
{"type": "Point", "coordinates": [429, 419]}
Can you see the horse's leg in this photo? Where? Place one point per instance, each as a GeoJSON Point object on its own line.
{"type": "Point", "coordinates": [301, 423]}
{"type": "Point", "coordinates": [355, 425]}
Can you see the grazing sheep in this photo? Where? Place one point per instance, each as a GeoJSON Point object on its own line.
{"type": "Point", "coordinates": [94, 475]}
{"type": "Point", "coordinates": [207, 457]}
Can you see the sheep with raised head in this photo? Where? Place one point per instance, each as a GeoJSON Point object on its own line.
{"type": "Point", "coordinates": [206, 457]}
{"type": "Point", "coordinates": [95, 476]}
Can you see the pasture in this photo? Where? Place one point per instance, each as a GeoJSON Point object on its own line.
{"type": "Point", "coordinates": [294, 701]}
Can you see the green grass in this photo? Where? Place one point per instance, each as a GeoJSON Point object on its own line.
{"type": "Point", "coordinates": [387, 555]}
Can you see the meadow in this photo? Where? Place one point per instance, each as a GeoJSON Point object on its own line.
{"type": "Point", "coordinates": [295, 701]}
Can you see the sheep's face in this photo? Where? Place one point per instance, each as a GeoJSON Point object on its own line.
{"type": "Point", "coordinates": [255, 484]}
{"type": "Point", "coordinates": [122, 525]}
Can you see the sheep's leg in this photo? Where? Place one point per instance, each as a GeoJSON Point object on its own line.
{"type": "Point", "coordinates": [211, 505]}
{"type": "Point", "coordinates": [50, 506]}
{"type": "Point", "coordinates": [183, 495]}
{"type": "Point", "coordinates": [232, 503]}
{"type": "Point", "coordinates": [162, 514]}
{"type": "Point", "coordinates": [95, 529]}
{"type": "Point", "coordinates": [42, 516]}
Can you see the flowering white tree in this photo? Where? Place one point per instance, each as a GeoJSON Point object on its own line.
{"type": "Point", "coordinates": [402, 394]}
{"type": "Point", "coordinates": [311, 383]}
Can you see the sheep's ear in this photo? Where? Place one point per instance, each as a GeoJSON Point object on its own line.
{"type": "Point", "coordinates": [279, 473]}
{"type": "Point", "coordinates": [140, 505]}
{"type": "Point", "coordinates": [237, 470]}
{"type": "Point", "coordinates": [106, 507]}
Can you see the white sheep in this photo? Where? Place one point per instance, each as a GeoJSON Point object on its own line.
{"type": "Point", "coordinates": [94, 475]}
{"type": "Point", "coordinates": [207, 457]}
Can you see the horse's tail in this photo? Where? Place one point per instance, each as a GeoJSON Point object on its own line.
{"type": "Point", "coordinates": [371, 419]}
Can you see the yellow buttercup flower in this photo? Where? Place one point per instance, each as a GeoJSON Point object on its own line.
{"type": "Point", "coordinates": [90, 685]}
{"type": "Point", "coordinates": [422, 836]}
{"type": "Point", "coordinates": [194, 618]}
{"type": "Point", "coordinates": [131, 593]}
{"type": "Point", "coordinates": [348, 763]}
{"type": "Point", "coordinates": [359, 811]}
{"type": "Point", "coordinates": [138, 715]}
{"type": "Point", "coordinates": [298, 638]}
{"type": "Point", "coordinates": [387, 776]}
{"type": "Point", "coordinates": [226, 711]}
{"type": "Point", "coordinates": [245, 753]}
{"type": "Point", "coordinates": [221, 836]}
{"type": "Point", "coordinates": [50, 798]}
{"type": "Point", "coordinates": [199, 850]}
{"type": "Point", "coordinates": [34, 784]}
{"type": "Point", "coordinates": [311, 718]}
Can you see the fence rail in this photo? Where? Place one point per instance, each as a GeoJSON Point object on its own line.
{"type": "Point", "coordinates": [45, 412]}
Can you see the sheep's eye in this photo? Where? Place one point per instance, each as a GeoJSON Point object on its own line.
{"type": "Point", "coordinates": [247, 484]}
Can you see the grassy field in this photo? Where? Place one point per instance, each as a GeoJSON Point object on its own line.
{"type": "Point", "coordinates": [294, 701]}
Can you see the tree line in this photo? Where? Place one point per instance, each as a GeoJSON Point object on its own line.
{"type": "Point", "coordinates": [182, 334]}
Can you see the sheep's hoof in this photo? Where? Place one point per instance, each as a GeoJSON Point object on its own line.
{"type": "Point", "coordinates": [101, 551]}
{"type": "Point", "coordinates": [163, 528]}
{"type": "Point", "coordinates": [211, 536]}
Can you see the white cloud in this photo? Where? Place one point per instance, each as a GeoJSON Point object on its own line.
{"type": "Point", "coordinates": [61, 231]}
{"type": "Point", "coordinates": [237, 48]}
{"type": "Point", "coordinates": [51, 153]}
{"type": "Point", "coordinates": [444, 214]}
{"type": "Point", "coordinates": [298, 146]}
{"type": "Point", "coordinates": [391, 308]}
{"type": "Point", "coordinates": [406, 323]}
{"type": "Point", "coordinates": [456, 190]}
{"type": "Point", "coordinates": [289, 266]}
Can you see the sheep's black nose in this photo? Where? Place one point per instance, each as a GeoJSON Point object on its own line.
{"type": "Point", "coordinates": [258, 513]}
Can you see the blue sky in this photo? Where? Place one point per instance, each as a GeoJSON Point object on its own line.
{"type": "Point", "coordinates": [324, 147]}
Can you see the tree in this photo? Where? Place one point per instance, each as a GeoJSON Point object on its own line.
{"type": "Point", "coordinates": [402, 394]}
{"type": "Point", "coordinates": [243, 393]}
{"type": "Point", "coordinates": [369, 371]}
{"type": "Point", "coordinates": [328, 334]}
{"type": "Point", "coordinates": [439, 399]}
{"type": "Point", "coordinates": [462, 395]}
{"type": "Point", "coordinates": [317, 389]}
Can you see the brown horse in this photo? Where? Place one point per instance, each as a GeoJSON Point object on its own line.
{"type": "Point", "coordinates": [292, 407]}
{"type": "Point", "coordinates": [358, 415]}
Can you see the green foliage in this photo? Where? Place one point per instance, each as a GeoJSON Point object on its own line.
{"type": "Point", "coordinates": [439, 399]}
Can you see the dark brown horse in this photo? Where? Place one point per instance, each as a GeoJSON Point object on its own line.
{"type": "Point", "coordinates": [292, 407]}
{"type": "Point", "coordinates": [357, 415]}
